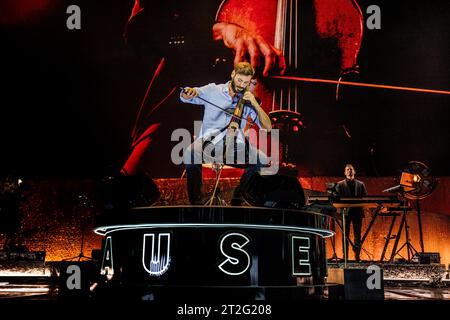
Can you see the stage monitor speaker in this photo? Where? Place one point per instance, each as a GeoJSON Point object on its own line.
{"type": "Point", "coordinates": [275, 191]}
{"type": "Point", "coordinates": [359, 283]}
{"type": "Point", "coordinates": [75, 279]}
{"type": "Point", "coordinates": [126, 191]}
{"type": "Point", "coordinates": [427, 258]}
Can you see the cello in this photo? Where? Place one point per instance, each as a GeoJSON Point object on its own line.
{"type": "Point", "coordinates": [281, 23]}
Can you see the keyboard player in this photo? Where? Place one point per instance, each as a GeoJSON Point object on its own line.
{"type": "Point", "coordinates": [351, 187]}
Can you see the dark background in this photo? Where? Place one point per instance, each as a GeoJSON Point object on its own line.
{"type": "Point", "coordinates": [69, 98]}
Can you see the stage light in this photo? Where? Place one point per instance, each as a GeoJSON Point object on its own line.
{"type": "Point", "coordinates": [416, 183]}
{"type": "Point", "coordinates": [422, 183]}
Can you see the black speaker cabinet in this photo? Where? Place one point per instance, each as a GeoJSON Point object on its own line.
{"type": "Point", "coordinates": [276, 191]}
{"type": "Point", "coordinates": [75, 278]}
{"type": "Point", "coordinates": [359, 284]}
{"type": "Point", "coordinates": [122, 192]}
{"type": "Point", "coordinates": [427, 258]}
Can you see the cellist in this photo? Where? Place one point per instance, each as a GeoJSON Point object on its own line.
{"type": "Point", "coordinates": [218, 124]}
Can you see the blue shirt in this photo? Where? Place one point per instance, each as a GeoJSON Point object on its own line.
{"type": "Point", "coordinates": [215, 119]}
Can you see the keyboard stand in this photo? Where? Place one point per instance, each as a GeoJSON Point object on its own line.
{"type": "Point", "coordinates": [389, 236]}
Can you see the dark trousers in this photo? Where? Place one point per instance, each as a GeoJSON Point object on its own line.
{"type": "Point", "coordinates": [354, 217]}
{"type": "Point", "coordinates": [193, 159]}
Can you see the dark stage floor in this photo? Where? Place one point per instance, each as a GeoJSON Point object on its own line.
{"type": "Point", "coordinates": [46, 289]}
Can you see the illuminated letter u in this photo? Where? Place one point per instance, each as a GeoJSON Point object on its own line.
{"type": "Point", "coordinates": [156, 253]}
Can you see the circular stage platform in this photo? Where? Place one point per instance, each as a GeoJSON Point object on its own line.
{"type": "Point", "coordinates": [154, 253]}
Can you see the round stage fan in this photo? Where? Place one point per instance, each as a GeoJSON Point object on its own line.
{"type": "Point", "coordinates": [423, 182]}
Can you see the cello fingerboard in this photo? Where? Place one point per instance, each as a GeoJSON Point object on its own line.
{"type": "Point", "coordinates": [286, 38]}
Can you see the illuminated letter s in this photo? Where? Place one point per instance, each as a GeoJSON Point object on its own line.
{"type": "Point", "coordinates": [237, 259]}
